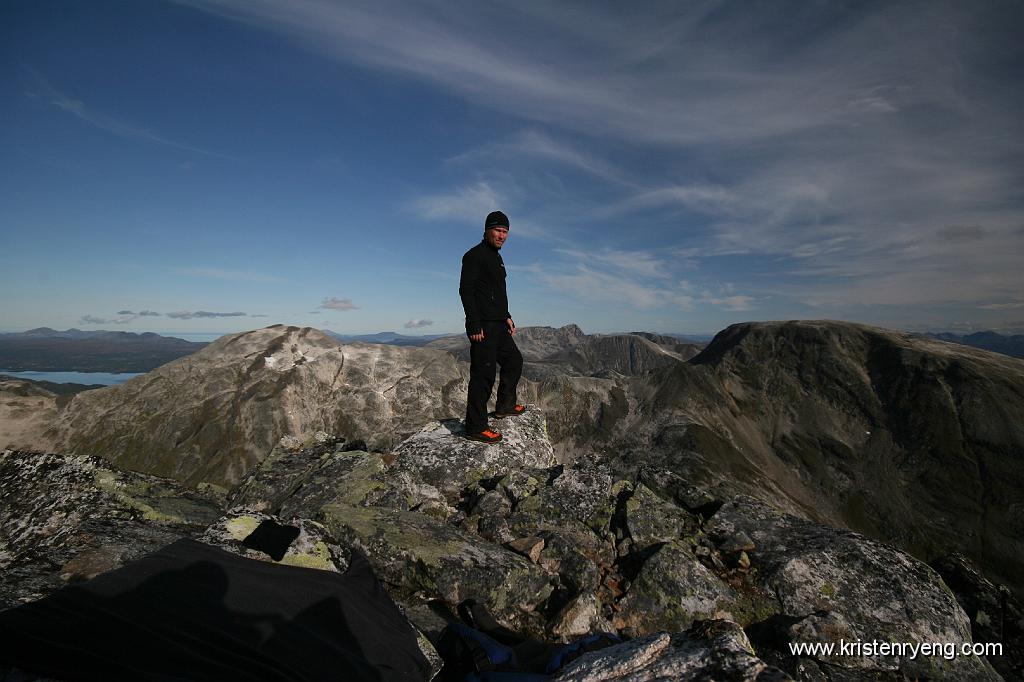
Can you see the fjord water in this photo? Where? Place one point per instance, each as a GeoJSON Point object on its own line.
{"type": "Point", "coordinates": [103, 378]}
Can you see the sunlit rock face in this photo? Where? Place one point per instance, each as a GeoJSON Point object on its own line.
{"type": "Point", "coordinates": [213, 415]}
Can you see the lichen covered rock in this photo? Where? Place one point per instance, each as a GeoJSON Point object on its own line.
{"type": "Point", "coordinates": [671, 591]}
{"type": "Point", "coordinates": [416, 554]}
{"type": "Point", "coordinates": [68, 518]}
{"type": "Point", "coordinates": [839, 585]}
{"type": "Point", "coordinates": [440, 457]}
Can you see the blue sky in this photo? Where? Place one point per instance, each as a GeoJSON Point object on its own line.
{"type": "Point", "coordinates": [220, 165]}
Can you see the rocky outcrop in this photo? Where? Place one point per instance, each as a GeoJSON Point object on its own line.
{"type": "Point", "coordinates": [830, 586]}
{"type": "Point", "coordinates": [553, 551]}
{"type": "Point", "coordinates": [996, 614]}
{"type": "Point", "coordinates": [26, 411]}
{"type": "Point", "coordinates": [66, 518]}
{"type": "Point", "coordinates": [575, 551]}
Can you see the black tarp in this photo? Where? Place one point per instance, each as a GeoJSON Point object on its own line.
{"type": "Point", "coordinates": [191, 611]}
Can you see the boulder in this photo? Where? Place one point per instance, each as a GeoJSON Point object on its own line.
{"type": "Point", "coordinates": [419, 556]}
{"type": "Point", "coordinates": [833, 585]}
{"type": "Point", "coordinates": [438, 456]}
{"type": "Point", "coordinates": [671, 591]}
{"type": "Point", "coordinates": [710, 650]}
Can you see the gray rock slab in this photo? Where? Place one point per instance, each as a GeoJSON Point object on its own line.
{"type": "Point", "coordinates": [439, 456]}
{"type": "Point", "coordinates": [869, 591]}
{"type": "Point", "coordinates": [712, 650]}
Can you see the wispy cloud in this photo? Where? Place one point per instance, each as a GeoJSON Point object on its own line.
{"type": "Point", "coordinates": [466, 204]}
{"type": "Point", "coordinates": [340, 304]}
{"type": "Point", "coordinates": [545, 147]}
{"type": "Point", "coordinates": [418, 324]}
{"type": "Point", "coordinates": [94, 319]}
{"type": "Point", "coordinates": [662, 76]}
{"type": "Point", "coordinates": [201, 314]}
{"type": "Point", "coordinates": [141, 313]}
{"type": "Point", "coordinates": [733, 303]}
{"type": "Point", "coordinates": [714, 200]}
{"type": "Point", "coordinates": [122, 317]}
{"type": "Point", "coordinates": [588, 284]}
{"type": "Point", "coordinates": [228, 275]}
{"type": "Point", "coordinates": [634, 263]}
{"type": "Point", "coordinates": [111, 124]}
{"type": "Point", "coordinates": [1015, 305]}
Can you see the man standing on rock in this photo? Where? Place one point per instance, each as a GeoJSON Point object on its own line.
{"type": "Point", "coordinates": [489, 327]}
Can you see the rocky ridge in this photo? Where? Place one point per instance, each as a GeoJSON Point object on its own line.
{"type": "Point", "coordinates": [697, 580]}
{"type": "Point", "coordinates": [909, 441]}
{"type": "Point", "coordinates": [566, 351]}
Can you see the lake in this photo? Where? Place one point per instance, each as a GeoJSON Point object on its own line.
{"type": "Point", "coordinates": [104, 378]}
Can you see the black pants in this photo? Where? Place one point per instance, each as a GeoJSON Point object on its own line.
{"type": "Point", "coordinates": [496, 348]}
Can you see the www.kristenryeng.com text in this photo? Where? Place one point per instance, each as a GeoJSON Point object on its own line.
{"type": "Point", "coordinates": [909, 650]}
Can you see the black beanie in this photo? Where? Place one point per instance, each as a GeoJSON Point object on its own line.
{"type": "Point", "coordinates": [495, 218]}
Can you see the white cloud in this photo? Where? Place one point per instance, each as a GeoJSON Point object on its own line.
{"type": "Point", "coordinates": [340, 304]}
{"type": "Point", "coordinates": [93, 319]}
{"type": "Point", "coordinates": [734, 303]}
{"type": "Point", "coordinates": [418, 324]}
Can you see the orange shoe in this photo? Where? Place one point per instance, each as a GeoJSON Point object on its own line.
{"type": "Point", "coordinates": [514, 412]}
{"type": "Point", "coordinates": [489, 436]}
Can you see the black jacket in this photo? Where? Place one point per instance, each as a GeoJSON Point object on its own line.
{"type": "Point", "coordinates": [482, 287]}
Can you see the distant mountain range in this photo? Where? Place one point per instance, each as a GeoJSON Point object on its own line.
{"type": "Point", "coordinates": [389, 338]}
{"type": "Point", "coordinates": [1007, 345]}
{"type": "Point", "coordinates": [73, 350]}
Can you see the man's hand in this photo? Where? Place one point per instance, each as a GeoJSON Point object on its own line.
{"type": "Point", "coordinates": [478, 337]}
{"type": "Point", "coordinates": [511, 326]}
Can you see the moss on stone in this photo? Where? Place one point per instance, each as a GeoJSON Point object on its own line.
{"type": "Point", "coordinates": [242, 527]}
{"type": "Point", "coordinates": [125, 493]}
{"type": "Point", "coordinates": [318, 557]}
